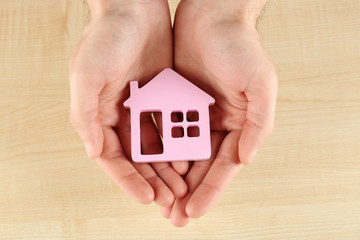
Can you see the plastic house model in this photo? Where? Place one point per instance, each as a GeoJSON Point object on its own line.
{"type": "Point", "coordinates": [184, 112]}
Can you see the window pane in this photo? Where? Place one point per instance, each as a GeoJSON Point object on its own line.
{"type": "Point", "coordinates": [192, 116]}
{"type": "Point", "coordinates": [177, 132]}
{"type": "Point", "coordinates": [193, 131]}
{"type": "Point", "coordinates": [177, 117]}
{"type": "Point", "coordinates": [146, 120]}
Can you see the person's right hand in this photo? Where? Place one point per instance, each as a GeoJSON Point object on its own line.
{"type": "Point", "coordinates": [125, 42]}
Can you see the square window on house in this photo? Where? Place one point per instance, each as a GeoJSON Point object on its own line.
{"type": "Point", "coordinates": [192, 116]}
{"type": "Point", "coordinates": [177, 117]}
{"type": "Point", "coordinates": [177, 132]}
{"type": "Point", "coordinates": [193, 131]}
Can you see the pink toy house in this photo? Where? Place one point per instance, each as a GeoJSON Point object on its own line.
{"type": "Point", "coordinates": [185, 117]}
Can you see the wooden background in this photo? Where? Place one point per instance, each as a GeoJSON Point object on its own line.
{"type": "Point", "coordinates": [304, 184]}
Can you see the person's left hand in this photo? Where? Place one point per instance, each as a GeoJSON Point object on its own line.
{"type": "Point", "coordinates": [224, 57]}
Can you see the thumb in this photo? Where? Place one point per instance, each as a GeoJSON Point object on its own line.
{"type": "Point", "coordinates": [259, 120]}
{"type": "Point", "coordinates": [84, 113]}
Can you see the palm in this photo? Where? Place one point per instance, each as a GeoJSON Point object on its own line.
{"type": "Point", "coordinates": [225, 59]}
{"type": "Point", "coordinates": [110, 55]}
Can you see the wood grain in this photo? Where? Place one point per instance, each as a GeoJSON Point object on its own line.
{"type": "Point", "coordinates": [304, 184]}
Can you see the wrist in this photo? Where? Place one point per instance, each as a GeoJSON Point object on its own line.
{"type": "Point", "coordinates": [244, 11]}
{"type": "Point", "coordinates": [101, 8]}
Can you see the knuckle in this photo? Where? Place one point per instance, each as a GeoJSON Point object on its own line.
{"type": "Point", "coordinates": [77, 119]}
{"type": "Point", "coordinates": [89, 115]}
{"type": "Point", "coordinates": [84, 114]}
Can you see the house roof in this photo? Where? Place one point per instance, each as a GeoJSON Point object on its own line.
{"type": "Point", "coordinates": [168, 88]}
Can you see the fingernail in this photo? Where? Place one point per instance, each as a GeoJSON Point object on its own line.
{"type": "Point", "coordinates": [88, 149]}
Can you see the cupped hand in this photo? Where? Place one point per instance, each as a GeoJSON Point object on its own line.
{"type": "Point", "coordinates": [222, 54]}
{"type": "Point", "coordinates": [133, 42]}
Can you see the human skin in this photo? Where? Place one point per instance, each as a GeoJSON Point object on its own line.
{"type": "Point", "coordinates": [218, 48]}
{"type": "Point", "coordinates": [125, 40]}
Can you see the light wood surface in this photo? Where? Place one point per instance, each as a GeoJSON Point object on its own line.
{"type": "Point", "coordinates": [304, 184]}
